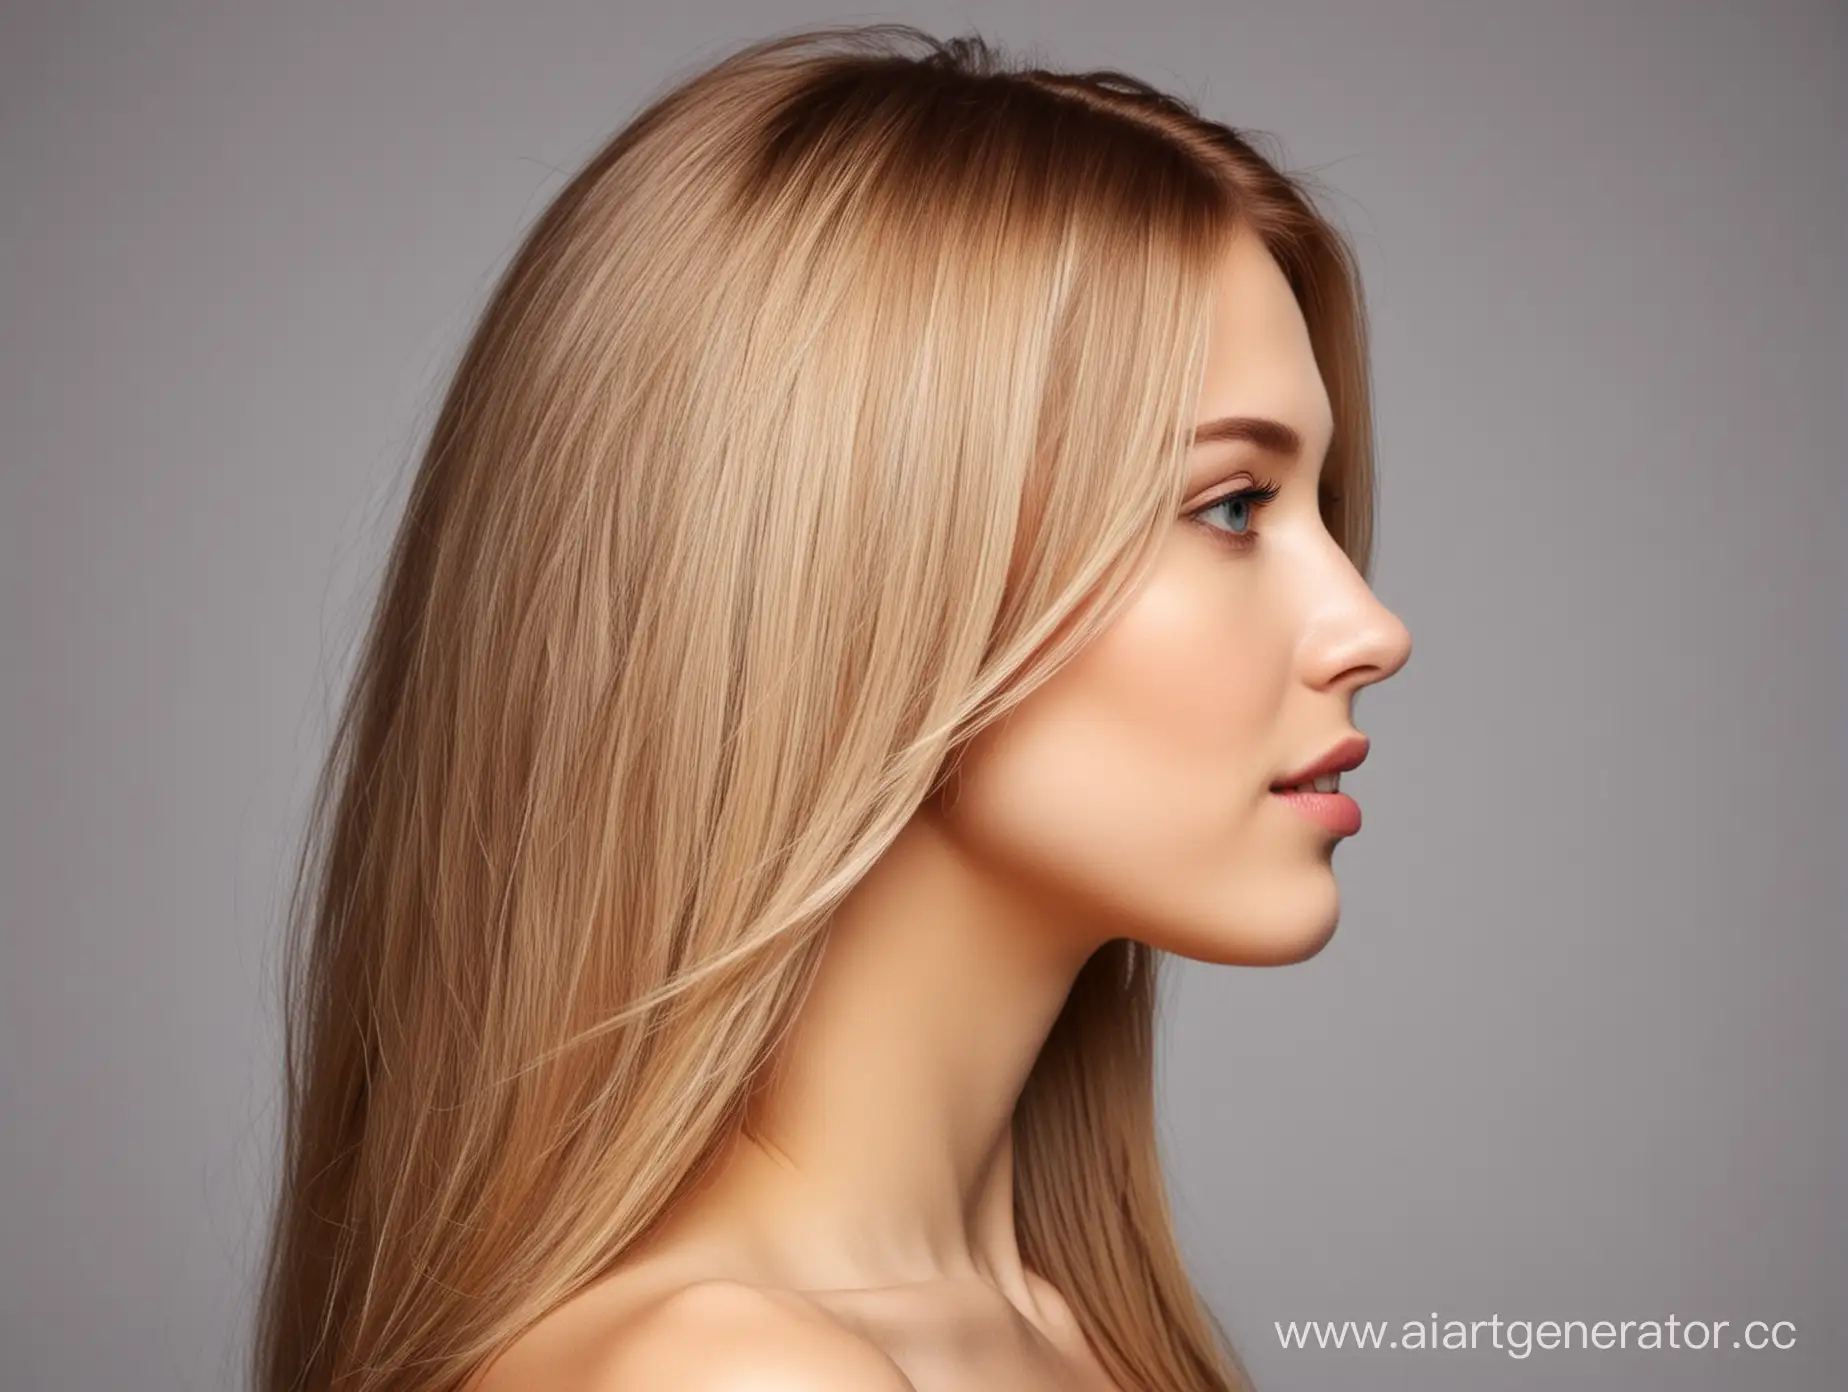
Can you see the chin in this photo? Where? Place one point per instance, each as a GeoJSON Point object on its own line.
{"type": "Point", "coordinates": [1246, 951]}
{"type": "Point", "coordinates": [1276, 935]}
{"type": "Point", "coordinates": [1282, 952]}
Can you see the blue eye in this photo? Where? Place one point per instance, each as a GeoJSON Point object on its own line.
{"type": "Point", "coordinates": [1238, 507]}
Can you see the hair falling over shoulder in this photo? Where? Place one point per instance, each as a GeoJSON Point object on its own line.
{"type": "Point", "coordinates": [821, 416]}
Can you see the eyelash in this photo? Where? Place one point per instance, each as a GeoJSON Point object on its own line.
{"type": "Point", "coordinates": [1259, 496]}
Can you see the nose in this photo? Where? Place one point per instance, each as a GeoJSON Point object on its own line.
{"type": "Point", "coordinates": [1354, 640]}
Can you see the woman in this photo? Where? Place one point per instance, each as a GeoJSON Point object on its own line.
{"type": "Point", "coordinates": [896, 532]}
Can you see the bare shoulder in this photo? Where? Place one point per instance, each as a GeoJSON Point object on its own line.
{"type": "Point", "coordinates": [726, 1336]}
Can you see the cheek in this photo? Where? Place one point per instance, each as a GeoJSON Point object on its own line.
{"type": "Point", "coordinates": [1141, 762]}
{"type": "Point", "coordinates": [1193, 667]}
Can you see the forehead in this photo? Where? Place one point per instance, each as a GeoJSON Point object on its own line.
{"type": "Point", "coordinates": [1259, 358]}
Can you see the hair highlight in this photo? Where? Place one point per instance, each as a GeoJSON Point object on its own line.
{"type": "Point", "coordinates": [836, 402]}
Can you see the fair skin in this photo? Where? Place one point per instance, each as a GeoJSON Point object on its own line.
{"type": "Point", "coordinates": [866, 1240]}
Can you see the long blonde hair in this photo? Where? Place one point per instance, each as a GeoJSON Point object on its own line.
{"type": "Point", "coordinates": [837, 401]}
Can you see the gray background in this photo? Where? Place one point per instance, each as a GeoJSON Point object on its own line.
{"type": "Point", "coordinates": [1577, 1049]}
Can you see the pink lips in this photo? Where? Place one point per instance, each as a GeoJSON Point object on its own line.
{"type": "Point", "coordinates": [1336, 812]}
{"type": "Point", "coordinates": [1344, 756]}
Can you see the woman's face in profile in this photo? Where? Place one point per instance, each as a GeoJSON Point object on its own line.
{"type": "Point", "coordinates": [1136, 788]}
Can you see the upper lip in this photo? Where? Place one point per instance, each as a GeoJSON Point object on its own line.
{"type": "Point", "coordinates": [1344, 756]}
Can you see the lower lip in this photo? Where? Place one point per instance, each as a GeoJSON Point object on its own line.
{"type": "Point", "coordinates": [1336, 812]}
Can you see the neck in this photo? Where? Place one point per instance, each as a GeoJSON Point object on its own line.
{"type": "Point", "coordinates": [882, 1153]}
